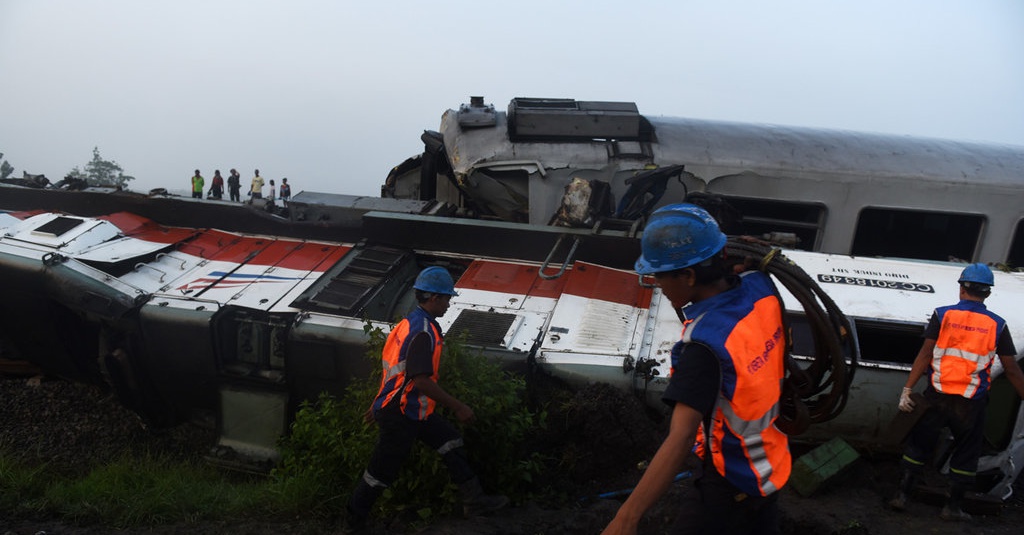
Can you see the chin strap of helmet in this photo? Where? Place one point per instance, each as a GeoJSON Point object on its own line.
{"type": "Point", "coordinates": [816, 392]}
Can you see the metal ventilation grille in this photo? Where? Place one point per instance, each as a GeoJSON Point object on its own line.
{"type": "Point", "coordinates": [348, 286]}
{"type": "Point", "coordinates": [342, 295]}
{"type": "Point", "coordinates": [482, 328]}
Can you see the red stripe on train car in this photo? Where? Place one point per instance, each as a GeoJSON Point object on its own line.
{"type": "Point", "coordinates": [276, 252]}
{"type": "Point", "coordinates": [298, 255]}
{"type": "Point", "coordinates": [310, 256]}
{"type": "Point", "coordinates": [141, 228]}
{"type": "Point", "coordinates": [335, 254]}
{"type": "Point", "coordinates": [209, 243]}
{"type": "Point", "coordinates": [598, 282]}
{"type": "Point", "coordinates": [584, 280]}
{"type": "Point", "coordinates": [508, 278]}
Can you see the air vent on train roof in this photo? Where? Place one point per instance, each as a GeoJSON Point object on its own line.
{"type": "Point", "coordinates": [575, 120]}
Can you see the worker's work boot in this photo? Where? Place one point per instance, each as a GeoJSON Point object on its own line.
{"type": "Point", "coordinates": [953, 511]}
{"type": "Point", "coordinates": [475, 502]}
{"type": "Point", "coordinates": [899, 502]}
{"type": "Point", "coordinates": [358, 509]}
{"type": "Point", "coordinates": [954, 514]}
{"type": "Point", "coordinates": [353, 524]}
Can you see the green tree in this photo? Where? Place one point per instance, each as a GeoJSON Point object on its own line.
{"type": "Point", "coordinates": [100, 172]}
{"type": "Point", "coordinates": [5, 168]}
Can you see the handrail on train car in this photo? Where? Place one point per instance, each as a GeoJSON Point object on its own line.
{"type": "Point", "coordinates": [565, 263]}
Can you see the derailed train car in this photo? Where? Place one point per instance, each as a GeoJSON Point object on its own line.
{"type": "Point", "coordinates": [178, 319]}
{"type": "Point", "coordinates": [247, 326]}
{"type": "Point", "coordinates": [597, 164]}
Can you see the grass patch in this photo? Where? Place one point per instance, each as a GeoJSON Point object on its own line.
{"type": "Point", "coordinates": [132, 492]}
{"type": "Point", "coordinates": [151, 491]}
{"type": "Point", "coordinates": [22, 487]}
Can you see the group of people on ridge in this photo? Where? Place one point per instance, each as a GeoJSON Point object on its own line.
{"type": "Point", "coordinates": [724, 392]}
{"type": "Point", "coordinates": [234, 185]}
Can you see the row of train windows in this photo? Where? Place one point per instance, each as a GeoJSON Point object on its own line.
{"type": "Point", "coordinates": [880, 231]}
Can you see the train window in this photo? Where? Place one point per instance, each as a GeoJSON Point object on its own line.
{"type": "Point", "coordinates": [791, 224]}
{"type": "Point", "coordinates": [879, 341]}
{"type": "Point", "coordinates": [882, 341]}
{"type": "Point", "coordinates": [58, 226]}
{"type": "Point", "coordinates": [916, 234]}
{"type": "Point", "coordinates": [500, 192]}
{"type": "Point", "coordinates": [1016, 258]}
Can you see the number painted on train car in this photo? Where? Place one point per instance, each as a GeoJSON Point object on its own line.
{"type": "Point", "coordinates": [909, 286]}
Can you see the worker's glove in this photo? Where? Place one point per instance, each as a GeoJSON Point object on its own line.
{"type": "Point", "coordinates": [906, 404]}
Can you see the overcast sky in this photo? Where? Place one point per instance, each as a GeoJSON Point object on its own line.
{"type": "Point", "coordinates": [333, 94]}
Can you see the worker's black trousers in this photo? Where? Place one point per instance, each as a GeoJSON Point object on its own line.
{"type": "Point", "coordinates": [716, 506]}
{"type": "Point", "coordinates": [965, 419]}
{"type": "Point", "coordinates": [398, 433]}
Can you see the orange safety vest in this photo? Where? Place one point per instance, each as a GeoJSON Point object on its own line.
{"type": "Point", "coordinates": [965, 349]}
{"type": "Point", "coordinates": [394, 382]}
{"type": "Point", "coordinates": [743, 327]}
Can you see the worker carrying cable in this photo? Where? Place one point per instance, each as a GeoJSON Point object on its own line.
{"type": "Point", "coordinates": [726, 383]}
{"type": "Point", "coordinates": [960, 343]}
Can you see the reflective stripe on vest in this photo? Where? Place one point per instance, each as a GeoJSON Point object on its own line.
{"type": "Point", "coordinates": [965, 349]}
{"type": "Point", "coordinates": [743, 327]}
{"type": "Point", "coordinates": [394, 381]}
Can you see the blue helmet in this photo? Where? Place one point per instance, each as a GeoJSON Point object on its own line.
{"type": "Point", "coordinates": [977, 273]}
{"type": "Point", "coordinates": [678, 236]}
{"type": "Point", "coordinates": [435, 279]}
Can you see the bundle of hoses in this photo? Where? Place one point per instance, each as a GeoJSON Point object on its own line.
{"type": "Point", "coordinates": [817, 391]}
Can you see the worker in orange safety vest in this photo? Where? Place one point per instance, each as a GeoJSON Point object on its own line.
{"type": "Point", "coordinates": [404, 407]}
{"type": "Point", "coordinates": [960, 343]}
{"type": "Point", "coordinates": [727, 374]}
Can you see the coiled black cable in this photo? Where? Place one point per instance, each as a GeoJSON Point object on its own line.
{"type": "Point", "coordinates": [817, 392]}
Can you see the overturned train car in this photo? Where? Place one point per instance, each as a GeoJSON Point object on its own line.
{"type": "Point", "coordinates": [177, 319]}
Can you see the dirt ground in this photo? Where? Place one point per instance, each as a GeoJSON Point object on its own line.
{"type": "Point", "coordinates": [606, 435]}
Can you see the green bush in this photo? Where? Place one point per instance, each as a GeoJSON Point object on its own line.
{"type": "Point", "coordinates": [329, 444]}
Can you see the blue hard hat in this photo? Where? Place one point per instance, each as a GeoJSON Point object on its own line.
{"type": "Point", "coordinates": [978, 273]}
{"type": "Point", "coordinates": [435, 279]}
{"type": "Point", "coordinates": [678, 236]}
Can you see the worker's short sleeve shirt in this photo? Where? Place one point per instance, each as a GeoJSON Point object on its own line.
{"type": "Point", "coordinates": [931, 331]}
{"type": "Point", "coordinates": [696, 378]}
{"type": "Point", "coordinates": [419, 359]}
